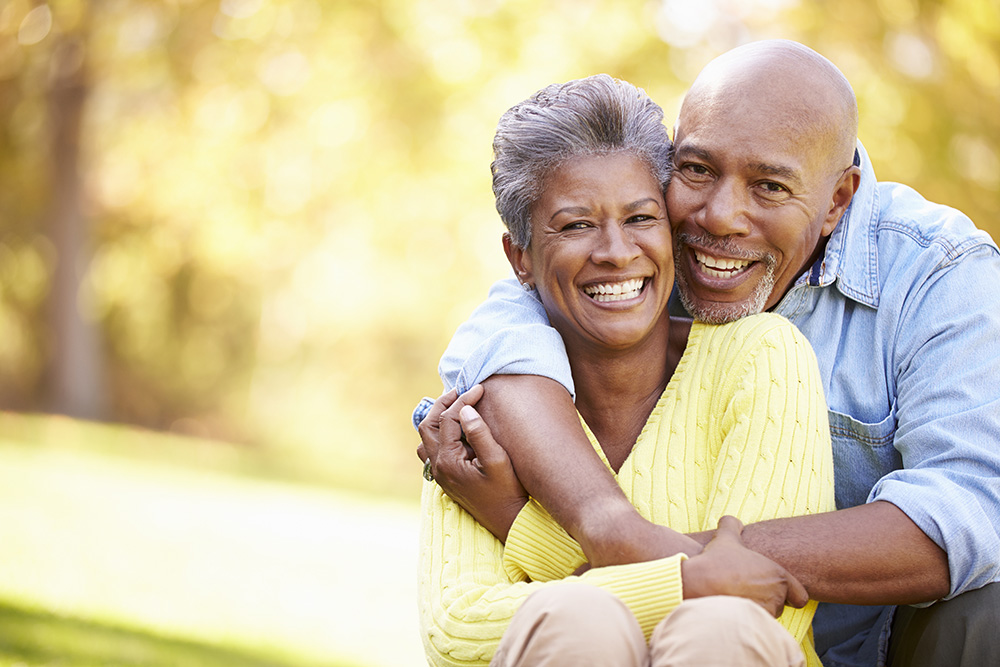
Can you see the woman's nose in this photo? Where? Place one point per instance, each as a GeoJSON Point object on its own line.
{"type": "Point", "coordinates": [616, 247]}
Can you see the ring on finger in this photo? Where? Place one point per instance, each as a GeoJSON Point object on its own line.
{"type": "Point", "coordinates": [428, 475]}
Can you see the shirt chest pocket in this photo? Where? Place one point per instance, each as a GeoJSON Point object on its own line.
{"type": "Point", "coordinates": [862, 453]}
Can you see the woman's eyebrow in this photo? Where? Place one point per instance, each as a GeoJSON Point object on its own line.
{"type": "Point", "coordinates": [571, 210]}
{"type": "Point", "coordinates": [639, 203]}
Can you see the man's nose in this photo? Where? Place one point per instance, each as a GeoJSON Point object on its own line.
{"type": "Point", "coordinates": [616, 247]}
{"type": "Point", "coordinates": [726, 210]}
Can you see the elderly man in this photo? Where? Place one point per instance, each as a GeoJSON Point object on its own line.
{"type": "Point", "coordinates": [899, 299]}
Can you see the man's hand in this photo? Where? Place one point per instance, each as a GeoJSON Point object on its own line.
{"type": "Point", "coordinates": [469, 464]}
{"type": "Point", "coordinates": [727, 567]}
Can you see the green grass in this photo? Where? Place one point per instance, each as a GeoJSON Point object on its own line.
{"type": "Point", "coordinates": [107, 559]}
{"type": "Point", "coordinates": [33, 637]}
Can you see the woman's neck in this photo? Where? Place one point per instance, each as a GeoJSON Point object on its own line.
{"type": "Point", "coordinates": [617, 389]}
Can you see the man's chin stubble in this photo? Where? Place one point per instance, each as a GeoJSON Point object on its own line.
{"type": "Point", "coordinates": [720, 312]}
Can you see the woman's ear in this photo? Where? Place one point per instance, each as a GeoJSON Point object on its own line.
{"type": "Point", "coordinates": [520, 260]}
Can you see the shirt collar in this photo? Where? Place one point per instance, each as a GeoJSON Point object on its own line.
{"type": "Point", "coordinates": [851, 256]}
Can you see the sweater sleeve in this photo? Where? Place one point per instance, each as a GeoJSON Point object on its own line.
{"type": "Point", "coordinates": [775, 458]}
{"type": "Point", "coordinates": [467, 598]}
{"type": "Point", "coordinates": [539, 548]}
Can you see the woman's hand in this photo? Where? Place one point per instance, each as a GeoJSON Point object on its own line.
{"type": "Point", "coordinates": [726, 567]}
{"type": "Point", "coordinates": [468, 464]}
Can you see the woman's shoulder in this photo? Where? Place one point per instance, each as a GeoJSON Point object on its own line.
{"type": "Point", "coordinates": [754, 348]}
{"type": "Point", "coordinates": [750, 333]}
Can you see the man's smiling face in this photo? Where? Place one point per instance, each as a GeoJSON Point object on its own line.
{"type": "Point", "coordinates": [757, 188]}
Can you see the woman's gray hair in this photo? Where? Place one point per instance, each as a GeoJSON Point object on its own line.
{"type": "Point", "coordinates": [598, 115]}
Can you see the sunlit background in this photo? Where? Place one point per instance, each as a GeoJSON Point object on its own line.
{"type": "Point", "coordinates": [235, 237]}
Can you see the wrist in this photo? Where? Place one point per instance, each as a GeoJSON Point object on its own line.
{"type": "Point", "coordinates": [606, 531]}
{"type": "Point", "coordinates": [509, 514]}
{"type": "Point", "coordinates": [693, 579]}
{"type": "Point", "coordinates": [621, 535]}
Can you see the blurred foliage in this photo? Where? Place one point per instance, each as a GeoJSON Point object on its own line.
{"type": "Point", "coordinates": [288, 203]}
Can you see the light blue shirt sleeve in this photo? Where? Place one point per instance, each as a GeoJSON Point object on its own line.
{"type": "Point", "coordinates": [508, 334]}
{"type": "Point", "coordinates": [948, 417]}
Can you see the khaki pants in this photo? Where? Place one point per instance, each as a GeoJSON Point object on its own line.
{"type": "Point", "coordinates": [576, 624]}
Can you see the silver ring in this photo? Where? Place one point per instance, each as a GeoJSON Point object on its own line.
{"type": "Point", "coordinates": [428, 475]}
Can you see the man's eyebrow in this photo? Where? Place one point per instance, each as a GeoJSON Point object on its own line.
{"type": "Point", "coordinates": [777, 170]}
{"type": "Point", "coordinates": [693, 151]}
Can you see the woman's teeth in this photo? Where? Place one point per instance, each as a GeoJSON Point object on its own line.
{"type": "Point", "coordinates": [622, 291]}
{"type": "Point", "coordinates": [720, 268]}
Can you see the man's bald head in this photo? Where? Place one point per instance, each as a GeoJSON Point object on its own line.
{"type": "Point", "coordinates": [789, 83]}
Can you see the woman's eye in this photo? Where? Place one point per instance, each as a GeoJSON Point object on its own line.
{"type": "Point", "coordinates": [642, 217]}
{"type": "Point", "coordinates": [579, 224]}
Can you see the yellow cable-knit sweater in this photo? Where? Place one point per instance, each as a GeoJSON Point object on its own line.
{"type": "Point", "coordinates": [741, 429]}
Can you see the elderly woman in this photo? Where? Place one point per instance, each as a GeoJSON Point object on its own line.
{"type": "Point", "coordinates": [697, 422]}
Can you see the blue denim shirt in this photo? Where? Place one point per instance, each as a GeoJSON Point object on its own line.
{"type": "Point", "coordinates": [903, 311]}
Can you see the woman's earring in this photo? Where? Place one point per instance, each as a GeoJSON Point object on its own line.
{"type": "Point", "coordinates": [527, 287]}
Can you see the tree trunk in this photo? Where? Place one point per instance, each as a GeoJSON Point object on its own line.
{"type": "Point", "coordinates": [74, 377]}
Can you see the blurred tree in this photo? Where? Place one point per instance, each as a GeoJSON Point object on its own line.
{"type": "Point", "coordinates": [75, 364]}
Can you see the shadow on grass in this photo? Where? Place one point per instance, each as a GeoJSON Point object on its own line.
{"type": "Point", "coordinates": [33, 638]}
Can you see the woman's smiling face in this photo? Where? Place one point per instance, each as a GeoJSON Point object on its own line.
{"type": "Point", "coordinates": [600, 253]}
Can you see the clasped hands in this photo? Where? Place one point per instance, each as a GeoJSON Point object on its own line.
{"type": "Point", "coordinates": [475, 471]}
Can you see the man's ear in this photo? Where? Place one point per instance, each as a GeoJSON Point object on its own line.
{"type": "Point", "coordinates": [520, 260]}
{"type": "Point", "coordinates": [843, 193]}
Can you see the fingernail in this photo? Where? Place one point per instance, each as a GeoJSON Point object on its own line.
{"type": "Point", "coordinates": [467, 412]}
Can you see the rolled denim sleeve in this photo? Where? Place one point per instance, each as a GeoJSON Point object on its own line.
{"type": "Point", "coordinates": [948, 416]}
{"type": "Point", "coordinates": [508, 334]}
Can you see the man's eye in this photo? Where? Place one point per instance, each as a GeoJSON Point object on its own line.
{"type": "Point", "coordinates": [774, 187]}
{"type": "Point", "coordinates": [696, 170]}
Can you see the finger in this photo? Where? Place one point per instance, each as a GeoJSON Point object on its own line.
{"type": "Point", "coordinates": [453, 455]}
{"type": "Point", "coordinates": [796, 596]}
{"type": "Point", "coordinates": [443, 402]}
{"type": "Point", "coordinates": [472, 396]}
{"type": "Point", "coordinates": [487, 451]}
{"type": "Point", "coordinates": [428, 428]}
{"type": "Point", "coordinates": [450, 425]}
{"type": "Point", "coordinates": [731, 524]}
{"type": "Point", "coordinates": [450, 431]}
{"type": "Point", "coordinates": [729, 529]}
{"type": "Point", "coordinates": [429, 444]}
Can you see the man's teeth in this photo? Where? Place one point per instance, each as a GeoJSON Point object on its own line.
{"type": "Point", "coordinates": [622, 291]}
{"type": "Point", "coordinates": [720, 268]}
